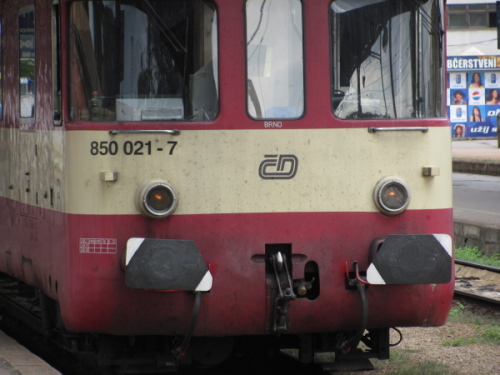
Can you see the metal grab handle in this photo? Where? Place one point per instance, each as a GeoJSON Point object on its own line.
{"type": "Point", "coordinates": [171, 132]}
{"type": "Point", "coordinates": [422, 129]}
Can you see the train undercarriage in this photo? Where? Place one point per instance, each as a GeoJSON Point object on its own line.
{"type": "Point", "coordinates": [336, 351]}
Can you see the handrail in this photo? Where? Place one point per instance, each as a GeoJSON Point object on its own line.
{"type": "Point", "coordinates": [422, 129]}
{"type": "Point", "coordinates": [167, 131]}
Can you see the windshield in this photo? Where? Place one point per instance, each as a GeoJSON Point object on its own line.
{"type": "Point", "coordinates": [275, 66]}
{"type": "Point", "coordinates": [144, 60]}
{"type": "Point", "coordinates": [387, 59]}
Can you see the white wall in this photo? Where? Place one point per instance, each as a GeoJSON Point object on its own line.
{"type": "Point", "coordinates": [472, 42]}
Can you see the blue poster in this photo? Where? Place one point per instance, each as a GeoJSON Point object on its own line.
{"type": "Point", "coordinates": [474, 102]}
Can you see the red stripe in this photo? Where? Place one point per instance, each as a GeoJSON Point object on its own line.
{"type": "Point", "coordinates": [90, 286]}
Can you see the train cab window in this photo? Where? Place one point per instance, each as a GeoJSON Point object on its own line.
{"type": "Point", "coordinates": [1, 61]}
{"type": "Point", "coordinates": [143, 60]}
{"type": "Point", "coordinates": [275, 65]}
{"type": "Point", "coordinates": [27, 62]}
{"type": "Point", "coordinates": [386, 59]}
{"type": "Point", "coordinates": [56, 64]}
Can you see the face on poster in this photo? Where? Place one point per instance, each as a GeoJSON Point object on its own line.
{"type": "Point", "coordinates": [492, 96]}
{"type": "Point", "coordinates": [476, 80]}
{"type": "Point", "coordinates": [476, 113]}
{"type": "Point", "coordinates": [458, 97]}
{"type": "Point", "coordinates": [459, 130]}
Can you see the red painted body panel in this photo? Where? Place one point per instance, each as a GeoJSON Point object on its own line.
{"type": "Point", "coordinates": [93, 297]}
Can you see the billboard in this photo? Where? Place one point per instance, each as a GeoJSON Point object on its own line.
{"type": "Point", "coordinates": [473, 95]}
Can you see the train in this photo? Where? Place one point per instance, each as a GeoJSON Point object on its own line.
{"type": "Point", "coordinates": [185, 179]}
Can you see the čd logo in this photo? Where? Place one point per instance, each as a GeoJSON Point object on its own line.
{"type": "Point", "coordinates": [278, 167]}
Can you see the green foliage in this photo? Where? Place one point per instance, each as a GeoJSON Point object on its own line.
{"type": "Point", "coordinates": [27, 68]}
{"type": "Point", "coordinates": [491, 335]}
{"type": "Point", "coordinates": [486, 335]}
{"type": "Point", "coordinates": [457, 309]}
{"type": "Point", "coordinates": [403, 364]}
{"type": "Point", "coordinates": [475, 255]}
{"type": "Point", "coordinates": [461, 341]}
{"type": "Point", "coordinates": [487, 326]}
{"type": "Point", "coordinates": [425, 367]}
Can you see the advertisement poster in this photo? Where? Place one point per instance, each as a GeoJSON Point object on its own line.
{"type": "Point", "coordinates": [473, 95]}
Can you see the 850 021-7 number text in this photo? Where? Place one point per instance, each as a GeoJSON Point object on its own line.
{"type": "Point", "coordinates": [128, 148]}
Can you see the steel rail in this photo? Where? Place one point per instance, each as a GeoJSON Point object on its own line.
{"type": "Point", "coordinates": [471, 285]}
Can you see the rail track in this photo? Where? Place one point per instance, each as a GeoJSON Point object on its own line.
{"type": "Point", "coordinates": [477, 281]}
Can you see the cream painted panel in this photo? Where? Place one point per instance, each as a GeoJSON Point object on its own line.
{"type": "Point", "coordinates": [5, 161]}
{"type": "Point", "coordinates": [32, 166]}
{"type": "Point", "coordinates": [217, 171]}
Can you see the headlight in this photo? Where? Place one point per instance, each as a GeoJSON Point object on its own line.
{"type": "Point", "coordinates": [391, 196]}
{"type": "Point", "coordinates": [156, 199]}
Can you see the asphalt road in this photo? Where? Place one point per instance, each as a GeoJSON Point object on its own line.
{"type": "Point", "coordinates": [476, 199]}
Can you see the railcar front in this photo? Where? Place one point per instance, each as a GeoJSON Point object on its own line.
{"type": "Point", "coordinates": [253, 168]}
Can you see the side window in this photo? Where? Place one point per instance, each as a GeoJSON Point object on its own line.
{"type": "Point", "coordinates": [27, 62]}
{"type": "Point", "coordinates": [472, 16]}
{"type": "Point", "coordinates": [275, 64]}
{"type": "Point", "coordinates": [56, 63]}
{"type": "Point", "coordinates": [143, 61]}
{"type": "Point", "coordinates": [1, 65]}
